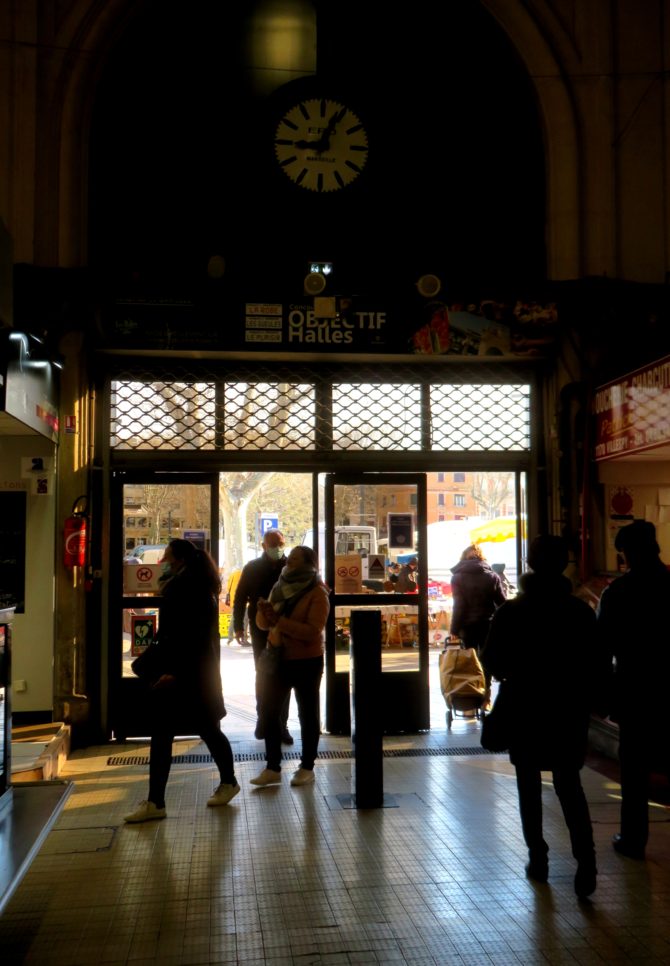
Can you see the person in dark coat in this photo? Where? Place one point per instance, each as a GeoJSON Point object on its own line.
{"type": "Point", "coordinates": [477, 591]}
{"type": "Point", "coordinates": [185, 691]}
{"type": "Point", "coordinates": [542, 647]}
{"type": "Point", "coordinates": [633, 630]}
{"type": "Point", "coordinates": [257, 579]}
{"type": "Point", "coordinates": [406, 582]}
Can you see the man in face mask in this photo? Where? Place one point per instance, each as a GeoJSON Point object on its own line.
{"type": "Point", "coordinates": [257, 580]}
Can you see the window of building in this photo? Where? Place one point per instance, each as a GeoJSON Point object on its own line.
{"type": "Point", "coordinates": [459, 477]}
{"type": "Point", "coordinates": [440, 477]}
{"type": "Point", "coordinates": [459, 499]}
{"type": "Point", "coordinates": [440, 499]}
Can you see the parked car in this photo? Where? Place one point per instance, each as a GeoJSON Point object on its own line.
{"type": "Point", "coordinates": [148, 553]}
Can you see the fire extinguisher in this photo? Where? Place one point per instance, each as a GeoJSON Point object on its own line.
{"type": "Point", "coordinates": [74, 535]}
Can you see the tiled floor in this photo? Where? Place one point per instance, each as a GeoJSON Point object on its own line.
{"type": "Point", "coordinates": [289, 876]}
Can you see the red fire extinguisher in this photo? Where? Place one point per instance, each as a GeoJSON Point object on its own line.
{"type": "Point", "coordinates": [74, 535]}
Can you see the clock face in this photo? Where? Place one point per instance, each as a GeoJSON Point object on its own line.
{"type": "Point", "coordinates": [321, 145]}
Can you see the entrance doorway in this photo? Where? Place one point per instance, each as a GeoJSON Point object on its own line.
{"type": "Point", "coordinates": [374, 523]}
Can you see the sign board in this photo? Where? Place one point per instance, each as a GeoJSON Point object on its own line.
{"type": "Point", "coordinates": [142, 632]}
{"type": "Point", "coordinates": [348, 573]}
{"type": "Point", "coordinates": [198, 537]}
{"type": "Point", "coordinates": [401, 531]}
{"type": "Point", "coordinates": [141, 578]}
{"type": "Point", "coordinates": [632, 414]}
{"type": "Point", "coordinates": [376, 566]}
{"type": "Point", "coordinates": [267, 521]}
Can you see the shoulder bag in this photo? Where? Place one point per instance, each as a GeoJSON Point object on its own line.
{"type": "Point", "coordinates": [147, 665]}
{"type": "Point", "coordinates": [496, 727]}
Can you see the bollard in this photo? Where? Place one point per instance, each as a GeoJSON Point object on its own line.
{"type": "Point", "coordinates": [366, 712]}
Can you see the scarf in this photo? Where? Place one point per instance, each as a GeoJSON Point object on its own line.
{"type": "Point", "coordinates": [290, 587]}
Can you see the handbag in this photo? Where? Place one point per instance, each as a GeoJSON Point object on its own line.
{"type": "Point", "coordinates": [269, 659]}
{"type": "Point", "coordinates": [147, 665]}
{"type": "Point", "coordinates": [495, 733]}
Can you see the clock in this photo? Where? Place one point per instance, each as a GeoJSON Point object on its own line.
{"type": "Point", "coordinates": [321, 145]}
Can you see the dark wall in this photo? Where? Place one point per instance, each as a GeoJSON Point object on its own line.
{"type": "Point", "coordinates": [182, 161]}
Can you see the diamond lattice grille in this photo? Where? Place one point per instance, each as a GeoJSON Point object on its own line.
{"type": "Point", "coordinates": [376, 417]}
{"type": "Point", "coordinates": [473, 417]}
{"type": "Point", "coordinates": [163, 415]}
{"type": "Point", "coordinates": [305, 409]}
{"type": "Point", "coordinates": [266, 415]}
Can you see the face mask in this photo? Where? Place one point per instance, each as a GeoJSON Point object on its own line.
{"type": "Point", "coordinates": [274, 553]}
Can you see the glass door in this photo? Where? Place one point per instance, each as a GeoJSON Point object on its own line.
{"type": "Point", "coordinates": [149, 510]}
{"type": "Point", "coordinates": [370, 521]}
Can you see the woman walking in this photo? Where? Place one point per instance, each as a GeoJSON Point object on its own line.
{"type": "Point", "coordinates": [185, 691]}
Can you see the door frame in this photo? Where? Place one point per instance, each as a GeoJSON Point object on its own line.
{"type": "Point", "coordinates": [405, 694]}
{"type": "Point", "coordinates": [127, 712]}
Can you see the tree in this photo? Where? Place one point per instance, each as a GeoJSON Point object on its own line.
{"type": "Point", "coordinates": [235, 492]}
{"type": "Point", "coordinates": [290, 494]}
{"type": "Point", "coordinates": [157, 500]}
{"type": "Point", "coordinates": [489, 490]}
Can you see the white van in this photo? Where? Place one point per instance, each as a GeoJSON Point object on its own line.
{"type": "Point", "coordinates": [348, 539]}
{"type": "Point", "coordinates": [147, 553]}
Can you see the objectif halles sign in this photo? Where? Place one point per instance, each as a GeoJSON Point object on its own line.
{"type": "Point", "coordinates": [632, 414]}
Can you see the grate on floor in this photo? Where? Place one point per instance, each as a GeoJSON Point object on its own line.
{"type": "Point", "coordinates": [204, 759]}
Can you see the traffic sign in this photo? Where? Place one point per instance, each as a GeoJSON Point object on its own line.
{"type": "Point", "coordinates": [268, 521]}
{"type": "Point", "coordinates": [376, 567]}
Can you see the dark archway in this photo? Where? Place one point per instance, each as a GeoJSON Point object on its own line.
{"type": "Point", "coordinates": [182, 164]}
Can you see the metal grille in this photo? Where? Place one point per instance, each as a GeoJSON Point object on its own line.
{"type": "Point", "coordinates": [163, 415]}
{"type": "Point", "coordinates": [377, 417]}
{"type": "Point", "coordinates": [304, 409]}
{"type": "Point", "coordinates": [477, 417]}
{"type": "Point", "coordinates": [205, 759]}
{"type": "Point", "coordinates": [267, 415]}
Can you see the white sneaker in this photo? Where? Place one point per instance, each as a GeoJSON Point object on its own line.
{"type": "Point", "coordinates": [267, 777]}
{"type": "Point", "coordinates": [223, 794]}
{"type": "Point", "coordinates": [145, 812]}
{"type": "Point", "coordinates": [303, 776]}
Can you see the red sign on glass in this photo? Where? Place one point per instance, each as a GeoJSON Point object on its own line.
{"type": "Point", "coordinates": [633, 413]}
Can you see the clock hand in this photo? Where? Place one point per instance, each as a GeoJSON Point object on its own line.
{"type": "Point", "coordinates": [330, 128]}
{"type": "Point", "coordinates": [322, 143]}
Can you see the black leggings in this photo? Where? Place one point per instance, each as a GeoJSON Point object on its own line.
{"type": "Point", "coordinates": [160, 756]}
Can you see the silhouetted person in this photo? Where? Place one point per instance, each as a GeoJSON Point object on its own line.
{"type": "Point", "coordinates": [542, 644]}
{"type": "Point", "coordinates": [257, 580]}
{"type": "Point", "coordinates": [477, 591]}
{"type": "Point", "coordinates": [633, 631]}
{"type": "Point", "coordinates": [185, 687]}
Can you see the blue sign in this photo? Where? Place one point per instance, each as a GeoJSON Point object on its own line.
{"type": "Point", "coordinates": [267, 521]}
{"type": "Point", "coordinates": [199, 537]}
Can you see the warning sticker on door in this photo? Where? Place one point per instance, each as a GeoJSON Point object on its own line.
{"type": "Point", "coordinates": [348, 573]}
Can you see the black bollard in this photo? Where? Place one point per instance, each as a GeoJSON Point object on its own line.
{"type": "Point", "coordinates": [366, 712]}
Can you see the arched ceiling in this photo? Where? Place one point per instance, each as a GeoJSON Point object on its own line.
{"type": "Point", "coordinates": [182, 163]}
